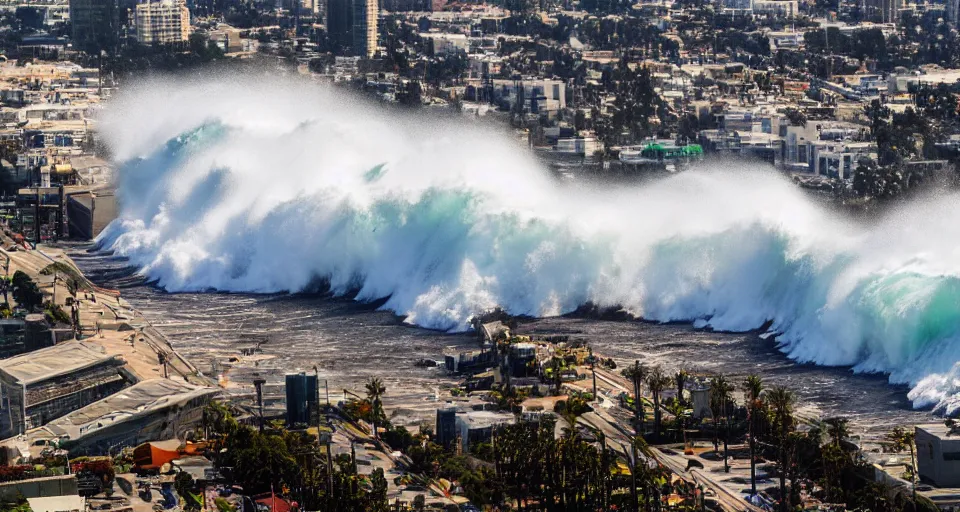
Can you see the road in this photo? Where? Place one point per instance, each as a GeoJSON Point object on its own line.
{"type": "Point", "coordinates": [728, 500]}
{"type": "Point", "coordinates": [615, 422]}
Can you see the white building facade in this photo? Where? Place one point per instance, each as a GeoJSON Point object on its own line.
{"type": "Point", "coordinates": [163, 22]}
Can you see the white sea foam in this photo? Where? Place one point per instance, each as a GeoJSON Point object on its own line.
{"type": "Point", "coordinates": [263, 186]}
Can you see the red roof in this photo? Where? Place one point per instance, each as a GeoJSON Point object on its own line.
{"type": "Point", "coordinates": [276, 503]}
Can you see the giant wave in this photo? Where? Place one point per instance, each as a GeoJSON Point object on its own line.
{"type": "Point", "coordinates": [249, 185]}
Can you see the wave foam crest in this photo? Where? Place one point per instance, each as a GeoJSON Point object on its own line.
{"type": "Point", "coordinates": [274, 186]}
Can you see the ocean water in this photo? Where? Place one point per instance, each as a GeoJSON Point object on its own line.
{"type": "Point", "coordinates": [268, 186]}
{"type": "Point", "coordinates": [350, 342]}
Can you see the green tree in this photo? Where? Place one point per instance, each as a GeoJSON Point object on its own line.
{"type": "Point", "coordinates": [720, 401]}
{"type": "Point", "coordinates": [378, 491]}
{"type": "Point", "coordinates": [680, 377]}
{"type": "Point", "coordinates": [375, 391]}
{"type": "Point", "coordinates": [781, 405]}
{"type": "Point", "coordinates": [899, 440]}
{"type": "Point", "coordinates": [657, 381]}
{"type": "Point", "coordinates": [753, 387]}
{"type": "Point", "coordinates": [26, 292]}
{"type": "Point", "coordinates": [636, 374]}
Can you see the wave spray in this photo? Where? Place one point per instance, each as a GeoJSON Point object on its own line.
{"type": "Point", "coordinates": [236, 184]}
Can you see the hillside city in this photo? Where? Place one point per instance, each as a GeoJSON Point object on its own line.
{"type": "Point", "coordinates": [855, 102]}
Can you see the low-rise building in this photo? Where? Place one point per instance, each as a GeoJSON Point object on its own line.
{"type": "Point", "coordinates": [938, 454]}
{"type": "Point", "coordinates": [448, 44]}
{"type": "Point", "coordinates": [478, 426]}
{"type": "Point", "coordinates": [778, 8]}
{"type": "Point", "coordinates": [147, 411]}
{"type": "Point", "coordinates": [581, 146]}
{"type": "Point", "coordinates": [40, 386]}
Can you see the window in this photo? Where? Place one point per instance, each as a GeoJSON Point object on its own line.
{"type": "Point", "coordinates": [951, 456]}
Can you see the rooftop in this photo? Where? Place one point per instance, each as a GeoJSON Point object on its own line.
{"type": "Point", "coordinates": [50, 362]}
{"type": "Point", "coordinates": [138, 400]}
{"type": "Point", "coordinates": [57, 503]}
{"type": "Point", "coordinates": [482, 419]}
{"type": "Point", "coordinates": [941, 430]}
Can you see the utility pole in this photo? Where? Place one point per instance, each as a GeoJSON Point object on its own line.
{"type": "Point", "coordinates": [316, 373]}
{"type": "Point", "coordinates": [36, 219]}
{"type": "Point", "coordinates": [593, 370]}
{"type": "Point", "coordinates": [726, 435]}
{"type": "Point", "coordinates": [634, 499]}
{"type": "Point", "coordinates": [329, 466]}
{"type": "Point", "coordinates": [258, 383]}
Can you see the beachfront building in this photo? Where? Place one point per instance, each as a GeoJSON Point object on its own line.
{"type": "Point", "coordinates": [539, 96]}
{"type": "Point", "coordinates": [162, 22]}
{"type": "Point", "coordinates": [40, 386]}
{"type": "Point", "coordinates": [474, 427]}
{"type": "Point", "coordinates": [938, 454]}
{"type": "Point", "coordinates": [151, 410]}
{"type": "Point", "coordinates": [301, 390]}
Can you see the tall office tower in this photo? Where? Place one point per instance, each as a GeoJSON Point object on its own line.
{"type": "Point", "coordinates": [96, 25]}
{"type": "Point", "coordinates": [365, 28]}
{"type": "Point", "coordinates": [352, 25]}
{"type": "Point", "coordinates": [339, 23]}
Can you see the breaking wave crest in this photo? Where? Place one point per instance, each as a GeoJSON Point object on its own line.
{"type": "Point", "coordinates": [266, 186]}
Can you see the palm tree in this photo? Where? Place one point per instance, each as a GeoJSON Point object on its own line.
{"type": "Point", "coordinates": [901, 439]}
{"type": "Point", "coordinates": [781, 403]}
{"type": "Point", "coordinates": [837, 430]}
{"type": "Point", "coordinates": [556, 367]}
{"type": "Point", "coordinates": [657, 381]}
{"type": "Point", "coordinates": [720, 400]}
{"type": "Point", "coordinates": [636, 374]}
{"type": "Point", "coordinates": [753, 387]}
{"type": "Point", "coordinates": [835, 458]}
{"type": "Point", "coordinates": [677, 409]}
{"type": "Point", "coordinates": [375, 391]}
{"type": "Point", "coordinates": [681, 379]}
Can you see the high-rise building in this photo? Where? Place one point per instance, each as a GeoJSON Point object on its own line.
{"type": "Point", "coordinates": [953, 11]}
{"type": "Point", "coordinates": [884, 11]}
{"type": "Point", "coordinates": [339, 24]}
{"type": "Point", "coordinates": [365, 27]}
{"type": "Point", "coordinates": [162, 22]}
{"type": "Point", "coordinates": [301, 391]}
{"type": "Point", "coordinates": [352, 25]}
{"type": "Point", "coordinates": [96, 25]}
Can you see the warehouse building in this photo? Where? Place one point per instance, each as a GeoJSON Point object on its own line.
{"type": "Point", "coordinates": [40, 386]}
{"type": "Point", "coordinates": [152, 410]}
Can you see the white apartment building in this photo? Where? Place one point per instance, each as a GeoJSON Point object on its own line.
{"type": "Point", "coordinates": [781, 8]}
{"type": "Point", "coordinates": [163, 22]}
